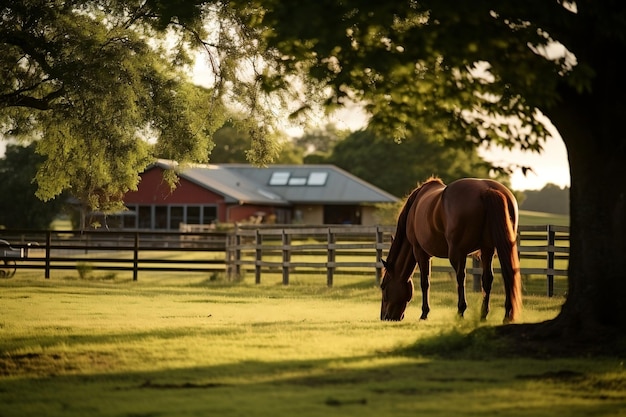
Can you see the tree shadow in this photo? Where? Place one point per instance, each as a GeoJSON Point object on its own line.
{"type": "Point", "coordinates": [542, 340]}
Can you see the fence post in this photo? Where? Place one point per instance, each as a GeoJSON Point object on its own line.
{"type": "Point", "coordinates": [258, 242]}
{"type": "Point", "coordinates": [237, 268]}
{"type": "Point", "coordinates": [379, 253]}
{"type": "Point", "coordinates": [551, 249]}
{"type": "Point", "coordinates": [231, 243]}
{"type": "Point", "coordinates": [330, 269]}
{"type": "Point", "coordinates": [136, 256]}
{"type": "Point", "coordinates": [48, 244]}
{"type": "Point", "coordinates": [286, 256]}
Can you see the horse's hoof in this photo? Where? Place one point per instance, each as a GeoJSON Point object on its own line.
{"type": "Point", "coordinates": [424, 317]}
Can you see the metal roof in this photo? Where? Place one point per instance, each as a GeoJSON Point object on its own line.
{"type": "Point", "coordinates": [281, 184]}
{"type": "Point", "coordinates": [325, 184]}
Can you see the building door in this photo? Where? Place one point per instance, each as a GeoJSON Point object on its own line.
{"type": "Point", "coordinates": [342, 214]}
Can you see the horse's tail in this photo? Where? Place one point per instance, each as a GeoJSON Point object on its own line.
{"type": "Point", "coordinates": [504, 232]}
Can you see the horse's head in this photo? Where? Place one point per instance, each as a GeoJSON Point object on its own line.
{"type": "Point", "coordinates": [397, 294]}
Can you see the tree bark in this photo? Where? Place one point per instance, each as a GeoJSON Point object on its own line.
{"type": "Point", "coordinates": [592, 128]}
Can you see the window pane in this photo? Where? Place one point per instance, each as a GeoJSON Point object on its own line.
{"type": "Point", "coordinates": [209, 214]}
{"type": "Point", "coordinates": [145, 217]}
{"type": "Point", "coordinates": [177, 216]}
{"type": "Point", "coordinates": [193, 215]}
{"type": "Point", "coordinates": [160, 217]}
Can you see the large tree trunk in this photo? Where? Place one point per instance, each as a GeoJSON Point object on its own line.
{"type": "Point", "coordinates": [592, 127]}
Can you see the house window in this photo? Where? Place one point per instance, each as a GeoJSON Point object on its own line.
{"type": "Point", "coordinates": [144, 217]}
{"type": "Point", "coordinates": [177, 216]}
{"type": "Point", "coordinates": [160, 217]}
{"type": "Point", "coordinates": [209, 214]}
{"type": "Point", "coordinates": [193, 215]}
{"type": "Point", "coordinates": [167, 217]}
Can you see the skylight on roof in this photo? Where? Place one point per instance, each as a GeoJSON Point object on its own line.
{"type": "Point", "coordinates": [279, 178]}
{"type": "Point", "coordinates": [286, 178]}
{"type": "Point", "coordinates": [317, 178]}
{"type": "Point", "coordinates": [297, 181]}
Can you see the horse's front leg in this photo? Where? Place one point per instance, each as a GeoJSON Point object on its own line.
{"type": "Point", "coordinates": [458, 261]}
{"type": "Point", "coordinates": [423, 261]}
{"type": "Point", "coordinates": [486, 257]}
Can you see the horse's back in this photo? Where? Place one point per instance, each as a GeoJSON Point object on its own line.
{"type": "Point", "coordinates": [465, 210]}
{"type": "Point", "coordinates": [464, 196]}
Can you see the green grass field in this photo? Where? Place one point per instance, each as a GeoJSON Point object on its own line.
{"type": "Point", "coordinates": [189, 346]}
{"type": "Point", "coordinates": [176, 344]}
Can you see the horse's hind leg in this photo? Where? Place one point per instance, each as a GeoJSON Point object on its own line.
{"type": "Point", "coordinates": [486, 256]}
{"type": "Point", "coordinates": [458, 261]}
{"type": "Point", "coordinates": [423, 261]}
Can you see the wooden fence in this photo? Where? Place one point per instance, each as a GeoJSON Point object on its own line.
{"type": "Point", "coordinates": [256, 249]}
{"type": "Point", "coordinates": [134, 251]}
{"type": "Point", "coordinates": [359, 249]}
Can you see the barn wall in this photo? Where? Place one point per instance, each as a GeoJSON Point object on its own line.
{"type": "Point", "coordinates": [153, 189]}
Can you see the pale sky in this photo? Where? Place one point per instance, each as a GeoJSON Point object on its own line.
{"type": "Point", "coordinates": [550, 166]}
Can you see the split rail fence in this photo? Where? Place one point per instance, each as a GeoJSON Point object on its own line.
{"type": "Point", "coordinates": [252, 249]}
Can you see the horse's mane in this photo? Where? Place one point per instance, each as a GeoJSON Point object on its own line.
{"type": "Point", "coordinates": [400, 235]}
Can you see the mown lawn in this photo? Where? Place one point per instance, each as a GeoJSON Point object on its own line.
{"type": "Point", "coordinates": [191, 346]}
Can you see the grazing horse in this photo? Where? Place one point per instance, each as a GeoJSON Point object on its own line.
{"type": "Point", "coordinates": [467, 216]}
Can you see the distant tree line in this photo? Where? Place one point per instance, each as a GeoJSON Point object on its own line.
{"type": "Point", "coordinates": [550, 199]}
{"type": "Point", "coordinates": [19, 207]}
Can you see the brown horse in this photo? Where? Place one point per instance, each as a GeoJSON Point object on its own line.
{"type": "Point", "coordinates": [467, 216]}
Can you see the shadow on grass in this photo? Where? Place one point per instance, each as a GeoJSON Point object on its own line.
{"type": "Point", "coordinates": [360, 386]}
{"type": "Point", "coordinates": [528, 340]}
{"type": "Point", "coordinates": [481, 343]}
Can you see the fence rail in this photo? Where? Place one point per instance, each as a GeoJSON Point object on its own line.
{"type": "Point", "coordinates": [257, 249]}
{"type": "Point", "coordinates": [359, 250]}
{"type": "Point", "coordinates": [134, 251]}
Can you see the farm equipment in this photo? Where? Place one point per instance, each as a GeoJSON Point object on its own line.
{"type": "Point", "coordinates": [8, 258]}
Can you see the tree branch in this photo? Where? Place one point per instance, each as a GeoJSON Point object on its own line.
{"type": "Point", "coordinates": [18, 99]}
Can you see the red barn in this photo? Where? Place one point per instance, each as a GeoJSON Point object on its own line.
{"type": "Point", "coordinates": [231, 193]}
